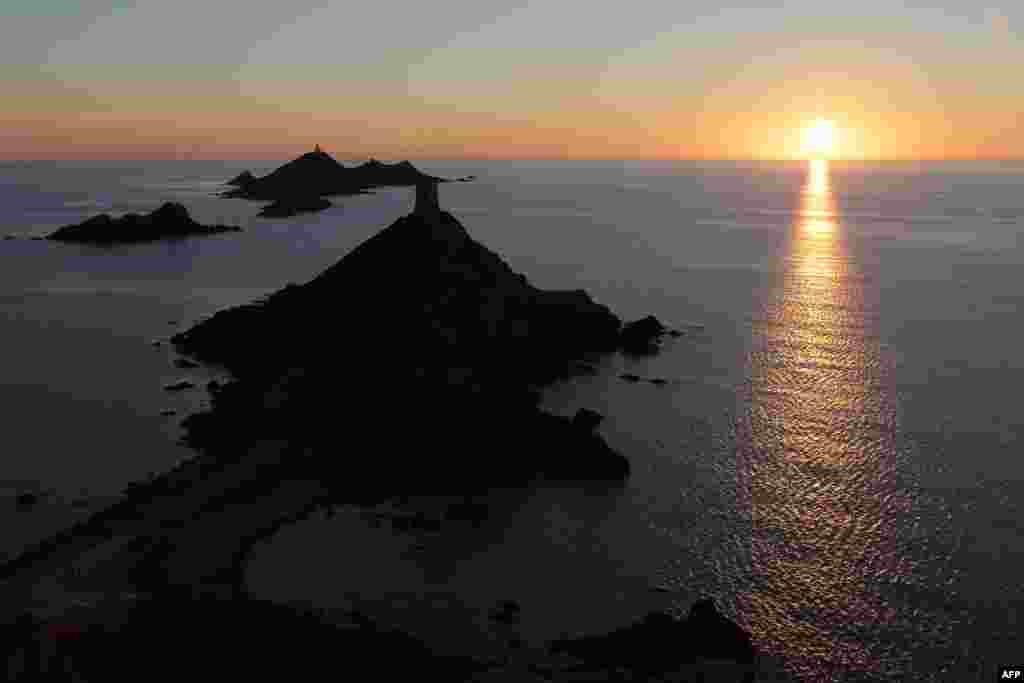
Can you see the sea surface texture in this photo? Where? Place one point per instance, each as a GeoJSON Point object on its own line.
{"type": "Point", "coordinates": [834, 455]}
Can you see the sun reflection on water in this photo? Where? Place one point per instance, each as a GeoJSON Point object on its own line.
{"type": "Point", "coordinates": [815, 452]}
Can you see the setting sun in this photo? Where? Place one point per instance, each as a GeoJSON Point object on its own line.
{"type": "Point", "coordinates": [819, 138]}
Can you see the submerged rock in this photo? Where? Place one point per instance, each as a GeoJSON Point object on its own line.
{"type": "Point", "coordinates": [171, 220]}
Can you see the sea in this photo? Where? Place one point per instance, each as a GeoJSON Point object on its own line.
{"type": "Point", "coordinates": [834, 455]}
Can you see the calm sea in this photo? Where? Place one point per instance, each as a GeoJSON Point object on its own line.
{"type": "Point", "coordinates": [835, 456]}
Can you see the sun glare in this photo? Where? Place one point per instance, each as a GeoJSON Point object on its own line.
{"type": "Point", "coordinates": [819, 139]}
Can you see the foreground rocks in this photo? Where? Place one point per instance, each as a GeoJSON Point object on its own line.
{"type": "Point", "coordinates": [662, 644]}
{"type": "Point", "coordinates": [165, 638]}
{"type": "Point", "coordinates": [170, 221]}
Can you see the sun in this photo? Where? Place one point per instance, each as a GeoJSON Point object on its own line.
{"type": "Point", "coordinates": [819, 138]}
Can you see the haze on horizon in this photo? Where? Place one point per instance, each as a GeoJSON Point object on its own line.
{"type": "Point", "coordinates": [114, 79]}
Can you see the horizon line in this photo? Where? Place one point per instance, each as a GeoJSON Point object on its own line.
{"type": "Point", "coordinates": [541, 159]}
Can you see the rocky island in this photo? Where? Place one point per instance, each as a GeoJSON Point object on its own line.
{"type": "Point", "coordinates": [412, 365]}
{"type": "Point", "coordinates": [452, 345]}
{"type": "Point", "coordinates": [170, 221]}
{"type": "Point", "coordinates": [318, 174]}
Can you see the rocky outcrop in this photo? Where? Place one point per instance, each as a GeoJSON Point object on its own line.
{"type": "Point", "coordinates": [642, 336]}
{"type": "Point", "coordinates": [170, 221]}
{"type": "Point", "coordinates": [427, 342]}
{"type": "Point", "coordinates": [293, 206]}
{"type": "Point", "coordinates": [661, 644]}
{"type": "Point", "coordinates": [242, 179]}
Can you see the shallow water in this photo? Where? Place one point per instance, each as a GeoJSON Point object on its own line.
{"type": "Point", "coordinates": [834, 456]}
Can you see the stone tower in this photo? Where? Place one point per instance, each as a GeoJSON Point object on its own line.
{"type": "Point", "coordinates": [426, 200]}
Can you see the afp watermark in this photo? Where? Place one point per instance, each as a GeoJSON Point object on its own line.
{"type": "Point", "coordinates": [1011, 673]}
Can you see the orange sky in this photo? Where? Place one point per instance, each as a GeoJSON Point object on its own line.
{"type": "Point", "coordinates": [103, 79]}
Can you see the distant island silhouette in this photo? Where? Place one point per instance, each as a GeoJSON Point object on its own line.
{"type": "Point", "coordinates": [294, 185]}
{"type": "Point", "coordinates": [170, 221]}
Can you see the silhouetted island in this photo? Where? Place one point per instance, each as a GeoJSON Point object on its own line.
{"type": "Point", "coordinates": [318, 174]}
{"type": "Point", "coordinates": [412, 365]}
{"type": "Point", "coordinates": [171, 220]}
{"type": "Point", "coordinates": [423, 327]}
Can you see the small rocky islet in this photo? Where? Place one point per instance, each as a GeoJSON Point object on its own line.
{"type": "Point", "coordinates": [170, 221]}
{"type": "Point", "coordinates": [427, 347]}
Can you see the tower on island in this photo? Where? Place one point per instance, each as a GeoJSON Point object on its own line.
{"type": "Point", "coordinates": [426, 199]}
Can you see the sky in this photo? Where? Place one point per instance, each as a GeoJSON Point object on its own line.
{"type": "Point", "coordinates": [502, 79]}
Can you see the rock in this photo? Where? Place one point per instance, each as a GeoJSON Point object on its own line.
{"type": "Point", "coordinates": [185, 363]}
{"type": "Point", "coordinates": [27, 500]}
{"type": "Point", "coordinates": [657, 381]}
{"type": "Point", "coordinates": [716, 637]}
{"type": "Point", "coordinates": [587, 419]}
{"type": "Point", "coordinates": [170, 221]}
{"type": "Point", "coordinates": [641, 336]}
{"type": "Point", "coordinates": [468, 511]}
{"type": "Point", "coordinates": [507, 612]}
{"type": "Point", "coordinates": [293, 206]}
{"type": "Point", "coordinates": [167, 412]}
{"type": "Point", "coordinates": [157, 342]}
{"type": "Point", "coordinates": [630, 377]}
{"type": "Point", "coordinates": [660, 643]}
{"type": "Point", "coordinates": [242, 179]}
{"type": "Point", "coordinates": [179, 385]}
